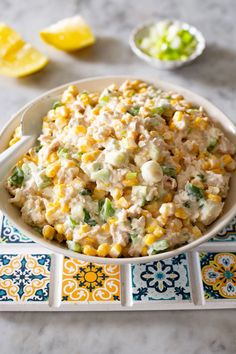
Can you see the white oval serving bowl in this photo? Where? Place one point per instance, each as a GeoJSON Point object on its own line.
{"type": "Point", "coordinates": [142, 30]}
{"type": "Point", "coordinates": [97, 84]}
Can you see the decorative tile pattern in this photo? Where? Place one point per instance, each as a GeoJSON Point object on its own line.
{"type": "Point", "coordinates": [163, 280]}
{"type": "Point", "coordinates": [10, 234]}
{"type": "Point", "coordinates": [24, 277]}
{"type": "Point", "coordinates": [227, 234]}
{"type": "Point", "coordinates": [219, 275]}
{"type": "Point", "coordinates": [83, 281]}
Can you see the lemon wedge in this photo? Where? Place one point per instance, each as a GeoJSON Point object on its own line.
{"type": "Point", "coordinates": [18, 58]}
{"type": "Point", "coordinates": [69, 34]}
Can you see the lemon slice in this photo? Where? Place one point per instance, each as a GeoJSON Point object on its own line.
{"type": "Point", "coordinates": [69, 34]}
{"type": "Point", "coordinates": [18, 58]}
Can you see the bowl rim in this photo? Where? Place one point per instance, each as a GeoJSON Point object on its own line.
{"type": "Point", "coordinates": [54, 246]}
{"type": "Point", "coordinates": [201, 44]}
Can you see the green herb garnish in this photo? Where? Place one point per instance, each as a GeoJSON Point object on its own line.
{"type": "Point", "coordinates": [17, 177]}
{"type": "Point", "coordinates": [133, 236]}
{"type": "Point", "coordinates": [158, 246]}
{"type": "Point", "coordinates": [194, 191]}
{"type": "Point", "coordinates": [169, 171]}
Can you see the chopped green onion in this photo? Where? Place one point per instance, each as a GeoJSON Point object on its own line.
{"type": "Point", "coordinates": [212, 145]}
{"type": "Point", "coordinates": [63, 152]}
{"type": "Point", "coordinates": [46, 182]}
{"type": "Point", "coordinates": [134, 111]}
{"type": "Point", "coordinates": [85, 192]}
{"type": "Point", "coordinates": [73, 222]}
{"type": "Point", "coordinates": [56, 104]}
{"type": "Point", "coordinates": [105, 99]}
{"type": "Point", "coordinates": [17, 177]}
{"type": "Point", "coordinates": [133, 236]}
{"type": "Point", "coordinates": [87, 218]}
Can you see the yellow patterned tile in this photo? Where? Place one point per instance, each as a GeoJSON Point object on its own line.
{"type": "Point", "coordinates": [24, 277]}
{"type": "Point", "coordinates": [84, 281]}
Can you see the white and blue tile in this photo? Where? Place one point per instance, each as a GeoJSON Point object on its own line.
{"type": "Point", "coordinates": [227, 234]}
{"type": "Point", "coordinates": [10, 234]}
{"type": "Point", "coordinates": [163, 280]}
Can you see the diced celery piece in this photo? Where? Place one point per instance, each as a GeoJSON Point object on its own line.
{"type": "Point", "coordinates": [158, 246]}
{"type": "Point", "coordinates": [74, 246]}
{"type": "Point", "coordinates": [106, 209]}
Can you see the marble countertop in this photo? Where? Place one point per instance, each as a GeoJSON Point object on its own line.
{"type": "Point", "coordinates": [213, 76]}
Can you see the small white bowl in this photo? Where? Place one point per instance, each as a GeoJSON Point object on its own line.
{"type": "Point", "coordinates": [142, 31]}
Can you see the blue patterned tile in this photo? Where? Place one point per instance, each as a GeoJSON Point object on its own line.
{"type": "Point", "coordinates": [10, 234]}
{"type": "Point", "coordinates": [24, 277]}
{"type": "Point", "coordinates": [163, 280]}
{"type": "Point", "coordinates": [218, 275]}
{"type": "Point", "coordinates": [227, 234]}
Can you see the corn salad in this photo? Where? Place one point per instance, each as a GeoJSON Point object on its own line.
{"type": "Point", "coordinates": [130, 171]}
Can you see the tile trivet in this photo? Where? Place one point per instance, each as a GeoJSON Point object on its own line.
{"type": "Point", "coordinates": [33, 278]}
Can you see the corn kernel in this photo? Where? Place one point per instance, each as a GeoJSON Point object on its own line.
{"type": "Point", "coordinates": [48, 232]}
{"type": "Point", "coordinates": [201, 122]}
{"type": "Point", "coordinates": [144, 251]}
{"type": "Point", "coordinates": [151, 225]}
{"type": "Point", "coordinates": [90, 241]}
{"type": "Point", "coordinates": [181, 213]}
{"type": "Point", "coordinates": [168, 198]}
{"type": "Point", "coordinates": [90, 156]}
{"type": "Point", "coordinates": [218, 171]}
{"type": "Point", "coordinates": [196, 231]}
{"type": "Point", "coordinates": [112, 220]}
{"type": "Point", "coordinates": [89, 250]}
{"type": "Point", "coordinates": [65, 208]}
{"type": "Point", "coordinates": [117, 194]}
{"type": "Point", "coordinates": [96, 111]}
{"type": "Point", "coordinates": [105, 227]}
{"type": "Point", "coordinates": [59, 228]}
{"type": "Point", "coordinates": [69, 235]}
{"type": "Point", "coordinates": [115, 250]}
{"type": "Point", "coordinates": [52, 157]}
{"type": "Point", "coordinates": [175, 225]}
{"type": "Point", "coordinates": [214, 198]}
{"type": "Point", "coordinates": [227, 159]}
{"type": "Point", "coordinates": [80, 129]}
{"type": "Point", "coordinates": [59, 237]}
{"type": "Point", "coordinates": [61, 122]}
{"type": "Point", "coordinates": [62, 111]}
{"type": "Point", "coordinates": [52, 169]}
{"type": "Point", "coordinates": [229, 162]}
{"type": "Point", "coordinates": [150, 239]}
{"type": "Point", "coordinates": [178, 116]}
{"type": "Point", "coordinates": [130, 182]}
{"type": "Point", "coordinates": [59, 190]}
{"type": "Point", "coordinates": [153, 208]}
{"type": "Point", "coordinates": [83, 148]}
{"type": "Point", "coordinates": [167, 209]}
{"type": "Point", "coordinates": [162, 220]}
{"type": "Point", "coordinates": [122, 203]}
{"type": "Point", "coordinates": [103, 250]}
{"type": "Point", "coordinates": [84, 228]}
{"type": "Point", "coordinates": [205, 165]}
{"type": "Point", "coordinates": [99, 194]}
{"type": "Point", "coordinates": [159, 231]}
